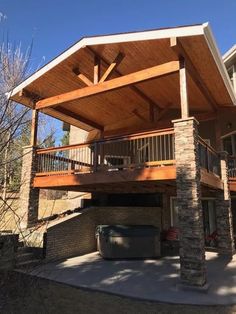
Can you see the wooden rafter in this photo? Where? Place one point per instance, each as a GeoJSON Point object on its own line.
{"type": "Point", "coordinates": [205, 116]}
{"type": "Point", "coordinates": [83, 77]}
{"type": "Point", "coordinates": [181, 53]}
{"type": "Point", "coordinates": [135, 89]}
{"type": "Point", "coordinates": [164, 111]}
{"type": "Point", "coordinates": [116, 83]}
{"type": "Point", "coordinates": [112, 67]}
{"type": "Point", "coordinates": [137, 114]}
{"type": "Point", "coordinates": [79, 117]}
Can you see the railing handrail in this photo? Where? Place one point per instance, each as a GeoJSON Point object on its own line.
{"type": "Point", "coordinates": [204, 143]}
{"type": "Point", "coordinates": [107, 140]}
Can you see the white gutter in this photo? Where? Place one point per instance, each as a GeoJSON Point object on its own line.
{"type": "Point", "coordinates": [218, 60]}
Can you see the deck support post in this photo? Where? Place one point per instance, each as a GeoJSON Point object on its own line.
{"type": "Point", "coordinates": [183, 90]}
{"type": "Point", "coordinates": [192, 242]}
{"type": "Point", "coordinates": [224, 213]}
{"type": "Point", "coordinates": [34, 128]}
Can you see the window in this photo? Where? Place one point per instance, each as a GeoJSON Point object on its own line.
{"type": "Point", "coordinates": [209, 215]}
{"type": "Point", "coordinates": [229, 144]}
{"type": "Point", "coordinates": [232, 75]}
{"type": "Point", "coordinates": [174, 212]}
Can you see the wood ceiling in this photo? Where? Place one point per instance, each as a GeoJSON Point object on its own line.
{"type": "Point", "coordinates": [129, 107]}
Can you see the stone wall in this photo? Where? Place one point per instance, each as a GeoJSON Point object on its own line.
{"type": "Point", "coordinates": [192, 240]}
{"type": "Point", "coordinates": [29, 196]}
{"type": "Point", "coordinates": [75, 235]}
{"type": "Point", "coordinates": [224, 212]}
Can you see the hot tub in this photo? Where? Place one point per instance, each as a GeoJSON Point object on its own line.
{"type": "Point", "coordinates": [122, 241]}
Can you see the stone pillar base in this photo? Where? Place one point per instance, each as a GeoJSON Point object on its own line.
{"type": "Point", "coordinates": [224, 213]}
{"type": "Point", "coordinates": [192, 240]}
{"type": "Point", "coordinates": [29, 196]}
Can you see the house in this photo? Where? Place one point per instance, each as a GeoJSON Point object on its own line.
{"type": "Point", "coordinates": [158, 107]}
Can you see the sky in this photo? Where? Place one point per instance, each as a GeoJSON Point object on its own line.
{"type": "Point", "coordinates": [54, 25]}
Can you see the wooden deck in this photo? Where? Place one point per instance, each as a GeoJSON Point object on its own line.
{"type": "Point", "coordinates": [146, 159]}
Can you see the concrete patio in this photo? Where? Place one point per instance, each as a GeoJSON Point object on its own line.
{"type": "Point", "coordinates": [153, 280]}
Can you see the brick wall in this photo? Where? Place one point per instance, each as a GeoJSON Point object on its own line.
{"type": "Point", "coordinates": [76, 235]}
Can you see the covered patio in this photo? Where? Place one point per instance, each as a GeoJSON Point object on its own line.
{"type": "Point", "coordinates": [143, 98]}
{"type": "Point", "coordinates": [149, 280]}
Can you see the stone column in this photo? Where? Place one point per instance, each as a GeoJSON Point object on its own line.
{"type": "Point", "coordinates": [29, 196]}
{"type": "Point", "coordinates": [192, 240]}
{"type": "Point", "coordinates": [223, 211]}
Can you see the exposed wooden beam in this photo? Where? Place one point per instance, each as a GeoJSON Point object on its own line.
{"type": "Point", "coordinates": [183, 90]}
{"type": "Point", "coordinates": [83, 77]}
{"type": "Point", "coordinates": [34, 128]}
{"type": "Point", "coordinates": [205, 116]}
{"type": "Point", "coordinates": [163, 111]}
{"type": "Point", "coordinates": [32, 96]}
{"type": "Point", "coordinates": [79, 117]}
{"type": "Point", "coordinates": [96, 72]}
{"type": "Point", "coordinates": [181, 53]}
{"type": "Point", "coordinates": [137, 114]}
{"type": "Point", "coordinates": [112, 67]}
{"type": "Point", "coordinates": [135, 89]}
{"type": "Point", "coordinates": [116, 83]}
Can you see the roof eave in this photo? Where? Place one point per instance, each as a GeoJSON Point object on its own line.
{"type": "Point", "coordinates": [219, 61]}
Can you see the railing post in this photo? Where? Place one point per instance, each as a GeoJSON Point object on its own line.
{"type": "Point", "coordinates": [95, 157]}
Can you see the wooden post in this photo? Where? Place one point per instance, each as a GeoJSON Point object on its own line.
{"type": "Point", "coordinates": [96, 70]}
{"type": "Point", "coordinates": [183, 90]}
{"type": "Point", "coordinates": [219, 146]}
{"type": "Point", "coordinates": [34, 128]}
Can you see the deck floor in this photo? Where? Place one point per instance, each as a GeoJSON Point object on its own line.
{"type": "Point", "coordinates": [155, 280]}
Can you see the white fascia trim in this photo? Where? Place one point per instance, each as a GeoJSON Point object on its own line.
{"type": "Point", "coordinates": [111, 39]}
{"type": "Point", "coordinates": [230, 53]}
{"type": "Point", "coordinates": [218, 60]}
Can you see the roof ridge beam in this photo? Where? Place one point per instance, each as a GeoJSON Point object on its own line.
{"type": "Point", "coordinates": [116, 83]}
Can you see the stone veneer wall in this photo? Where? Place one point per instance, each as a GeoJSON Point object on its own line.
{"type": "Point", "coordinates": [76, 235]}
{"type": "Point", "coordinates": [224, 212]}
{"type": "Point", "coordinates": [29, 197]}
{"type": "Point", "coordinates": [192, 242]}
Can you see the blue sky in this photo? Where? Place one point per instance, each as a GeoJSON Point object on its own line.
{"type": "Point", "coordinates": [57, 24]}
{"type": "Point", "coordinates": [54, 25]}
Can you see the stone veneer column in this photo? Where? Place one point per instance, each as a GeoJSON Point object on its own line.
{"type": "Point", "coordinates": [223, 211]}
{"type": "Point", "coordinates": [192, 241]}
{"type": "Point", "coordinates": [29, 197]}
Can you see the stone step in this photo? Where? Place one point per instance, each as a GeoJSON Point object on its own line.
{"type": "Point", "coordinates": [24, 256]}
{"type": "Point", "coordinates": [24, 249]}
{"type": "Point", "coordinates": [28, 264]}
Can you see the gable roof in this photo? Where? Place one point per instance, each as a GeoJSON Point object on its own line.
{"type": "Point", "coordinates": [141, 50]}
